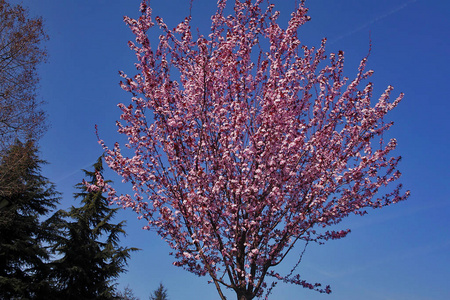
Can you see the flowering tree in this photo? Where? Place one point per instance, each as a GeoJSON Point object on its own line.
{"type": "Point", "coordinates": [246, 142]}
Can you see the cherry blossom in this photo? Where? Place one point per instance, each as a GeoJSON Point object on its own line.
{"type": "Point", "coordinates": [244, 143]}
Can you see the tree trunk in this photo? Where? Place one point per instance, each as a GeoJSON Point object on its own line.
{"type": "Point", "coordinates": [244, 296]}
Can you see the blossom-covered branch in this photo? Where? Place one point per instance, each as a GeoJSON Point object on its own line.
{"type": "Point", "coordinates": [245, 141]}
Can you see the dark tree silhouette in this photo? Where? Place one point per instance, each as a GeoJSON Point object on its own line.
{"type": "Point", "coordinates": [126, 294]}
{"type": "Point", "coordinates": [25, 197]}
{"type": "Point", "coordinates": [160, 293]}
{"type": "Point", "coordinates": [91, 258]}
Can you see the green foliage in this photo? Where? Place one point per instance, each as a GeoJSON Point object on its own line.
{"type": "Point", "coordinates": [25, 197]}
{"type": "Point", "coordinates": [126, 294]}
{"type": "Point", "coordinates": [90, 255]}
{"type": "Point", "coordinates": [160, 293]}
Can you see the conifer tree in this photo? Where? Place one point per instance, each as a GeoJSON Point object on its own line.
{"type": "Point", "coordinates": [91, 258]}
{"type": "Point", "coordinates": [25, 197]}
{"type": "Point", "coordinates": [160, 293]}
{"type": "Point", "coordinates": [126, 294]}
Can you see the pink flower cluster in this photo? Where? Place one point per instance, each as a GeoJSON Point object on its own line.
{"type": "Point", "coordinates": [245, 141]}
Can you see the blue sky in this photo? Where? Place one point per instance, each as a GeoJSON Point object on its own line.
{"type": "Point", "coordinates": [399, 252]}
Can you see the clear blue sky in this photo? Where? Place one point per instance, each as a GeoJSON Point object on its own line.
{"type": "Point", "coordinates": [401, 252]}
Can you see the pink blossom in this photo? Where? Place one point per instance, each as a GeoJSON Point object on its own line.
{"type": "Point", "coordinates": [237, 151]}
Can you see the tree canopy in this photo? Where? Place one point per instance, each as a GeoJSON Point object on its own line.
{"type": "Point", "coordinates": [160, 293]}
{"type": "Point", "coordinates": [88, 246]}
{"type": "Point", "coordinates": [21, 51]}
{"type": "Point", "coordinates": [243, 143]}
{"type": "Point", "coordinates": [25, 197]}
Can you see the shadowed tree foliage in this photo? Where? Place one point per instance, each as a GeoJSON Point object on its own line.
{"type": "Point", "coordinates": [21, 50]}
{"type": "Point", "coordinates": [90, 255]}
{"type": "Point", "coordinates": [126, 294]}
{"type": "Point", "coordinates": [160, 293]}
{"type": "Point", "coordinates": [25, 196]}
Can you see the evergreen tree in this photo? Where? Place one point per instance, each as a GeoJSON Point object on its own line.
{"type": "Point", "coordinates": [25, 197]}
{"type": "Point", "coordinates": [126, 294]}
{"type": "Point", "coordinates": [160, 293]}
{"type": "Point", "coordinates": [91, 258]}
